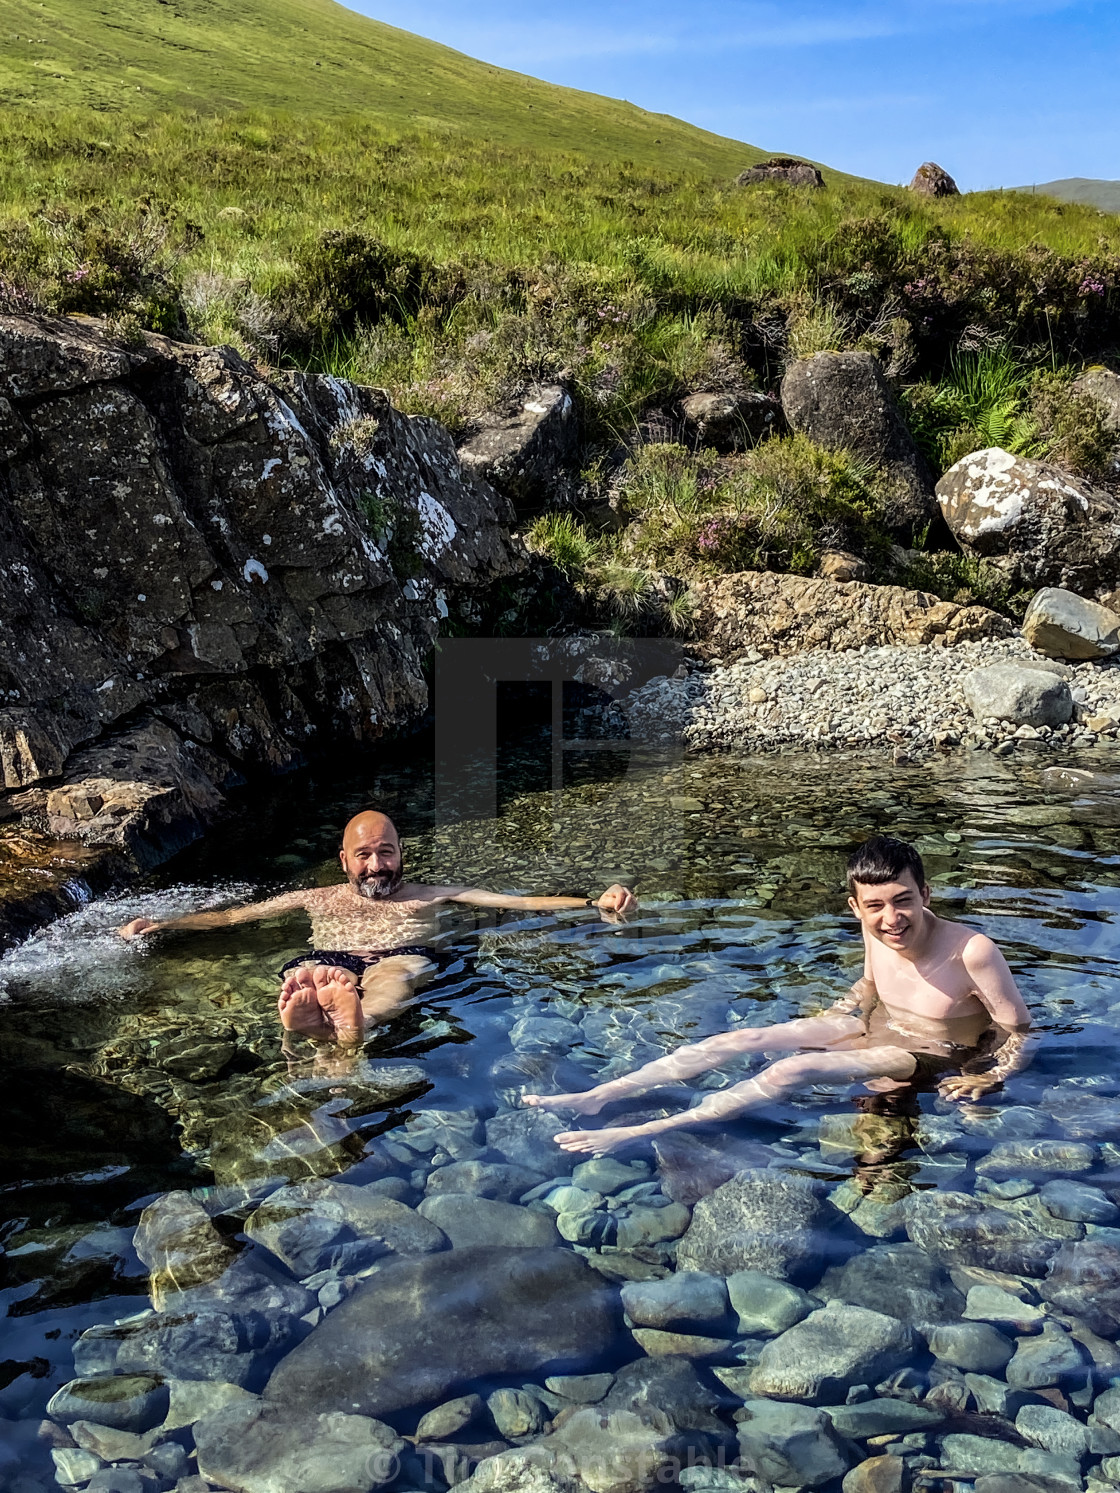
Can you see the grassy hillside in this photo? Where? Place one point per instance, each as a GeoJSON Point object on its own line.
{"type": "Point", "coordinates": [316, 60]}
{"type": "Point", "coordinates": [1102, 194]}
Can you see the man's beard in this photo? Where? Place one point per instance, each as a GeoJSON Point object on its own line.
{"type": "Point", "coordinates": [377, 886]}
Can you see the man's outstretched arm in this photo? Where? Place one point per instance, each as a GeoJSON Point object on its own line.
{"type": "Point", "coordinates": [616, 899]}
{"type": "Point", "coordinates": [226, 918]}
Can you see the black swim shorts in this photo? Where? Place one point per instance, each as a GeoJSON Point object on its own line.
{"type": "Point", "coordinates": [357, 964]}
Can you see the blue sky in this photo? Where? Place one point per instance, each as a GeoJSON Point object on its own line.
{"type": "Point", "coordinates": [999, 92]}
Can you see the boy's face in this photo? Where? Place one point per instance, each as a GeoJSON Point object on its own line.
{"type": "Point", "coordinates": [893, 912]}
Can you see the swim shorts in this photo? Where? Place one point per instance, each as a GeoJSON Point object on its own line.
{"type": "Point", "coordinates": [357, 964]}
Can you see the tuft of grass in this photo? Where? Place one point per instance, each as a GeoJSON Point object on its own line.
{"type": "Point", "coordinates": [561, 538]}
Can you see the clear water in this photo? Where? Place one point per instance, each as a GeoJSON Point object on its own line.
{"type": "Point", "coordinates": [739, 866]}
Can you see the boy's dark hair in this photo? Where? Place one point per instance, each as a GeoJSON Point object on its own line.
{"type": "Point", "coordinates": [882, 859]}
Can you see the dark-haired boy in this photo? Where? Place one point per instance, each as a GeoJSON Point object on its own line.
{"type": "Point", "coordinates": [936, 1007]}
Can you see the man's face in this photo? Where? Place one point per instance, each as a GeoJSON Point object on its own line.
{"type": "Point", "coordinates": [371, 857]}
{"type": "Point", "coordinates": [892, 912]}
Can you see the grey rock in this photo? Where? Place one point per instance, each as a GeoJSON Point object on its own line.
{"type": "Point", "coordinates": [445, 1422]}
{"type": "Point", "coordinates": [993, 1304]}
{"type": "Point", "coordinates": [881, 1417]}
{"type": "Point", "coordinates": [484, 1179]}
{"type": "Point", "coordinates": [976, 1346]}
{"type": "Point", "coordinates": [994, 1396]}
{"type": "Point", "coordinates": [110, 1444]}
{"type": "Point", "coordinates": [131, 1402]}
{"type": "Point", "coordinates": [791, 1445]}
{"type": "Point", "coordinates": [545, 1033]}
{"type": "Point", "coordinates": [639, 1226]}
{"type": "Point", "coordinates": [667, 1387]}
{"type": "Point", "coordinates": [1044, 526]}
{"type": "Point", "coordinates": [1106, 1409]}
{"type": "Point", "coordinates": [1064, 625]}
{"type": "Point", "coordinates": [421, 1328]}
{"type": "Point", "coordinates": [681, 1298]}
{"type": "Point", "coordinates": [321, 1224]}
{"type": "Point", "coordinates": [122, 1480]}
{"type": "Point", "coordinates": [965, 1453]}
{"type": "Point", "coordinates": [692, 1167]}
{"type": "Point", "coordinates": [821, 1358]}
{"type": "Point", "coordinates": [179, 1244]}
{"type": "Point", "coordinates": [520, 1471]}
{"type": "Point", "coordinates": [605, 1175]}
{"type": "Point", "coordinates": [757, 1221]}
{"type": "Point", "coordinates": [1079, 1202]}
{"type": "Point", "coordinates": [899, 1279]}
{"type": "Point", "coordinates": [525, 1138]}
{"type": "Point", "coordinates": [263, 1448]}
{"type": "Point", "coordinates": [658, 1343]}
{"type": "Point", "coordinates": [613, 1451]}
{"type": "Point", "coordinates": [72, 1465]}
{"type": "Point", "coordinates": [1053, 1430]}
{"type": "Point", "coordinates": [516, 1413]}
{"type": "Point", "coordinates": [1025, 696]}
{"type": "Point", "coordinates": [766, 1306]}
{"type": "Point", "coordinates": [467, 1221]}
{"type": "Point", "coordinates": [732, 422]}
{"type": "Point", "coordinates": [931, 180]}
{"type": "Point", "coordinates": [264, 1302]}
{"type": "Point", "coordinates": [1020, 1482]}
{"type": "Point", "coordinates": [1037, 1158]}
{"type": "Point", "coordinates": [191, 1399]}
{"type": "Point", "coordinates": [844, 401]}
{"type": "Point", "coordinates": [201, 1345]}
{"type": "Point", "coordinates": [886, 1474]}
{"type": "Point", "coordinates": [1102, 385]}
{"type": "Point", "coordinates": [783, 169]}
{"type": "Point", "coordinates": [525, 454]}
{"type": "Point", "coordinates": [1046, 1360]}
{"type": "Point", "coordinates": [582, 1389]}
{"type": "Point", "coordinates": [959, 1229]}
{"type": "Point", "coordinates": [1084, 1115]}
{"type": "Point", "coordinates": [1084, 1279]}
{"type": "Point", "coordinates": [168, 1460]}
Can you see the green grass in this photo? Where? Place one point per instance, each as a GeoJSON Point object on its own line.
{"type": "Point", "coordinates": [316, 60]}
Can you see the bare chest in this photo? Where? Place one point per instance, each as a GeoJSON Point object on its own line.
{"type": "Point", "coordinates": [940, 989]}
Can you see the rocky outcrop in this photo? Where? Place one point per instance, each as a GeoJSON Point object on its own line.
{"type": "Point", "coordinates": [731, 422]}
{"type": "Point", "coordinates": [210, 572]}
{"type": "Point", "coordinates": [843, 401]}
{"type": "Point", "coordinates": [1039, 524]}
{"type": "Point", "coordinates": [781, 169]}
{"type": "Point", "coordinates": [528, 455]}
{"type": "Point", "coordinates": [1063, 625]}
{"type": "Point", "coordinates": [931, 180]}
{"type": "Point", "coordinates": [788, 613]}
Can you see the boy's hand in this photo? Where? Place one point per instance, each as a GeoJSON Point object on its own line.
{"type": "Point", "coordinates": [617, 899]}
{"type": "Point", "coordinates": [136, 927]}
{"type": "Point", "coordinates": [967, 1086]}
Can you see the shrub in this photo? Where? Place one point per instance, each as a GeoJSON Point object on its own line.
{"type": "Point", "coordinates": [985, 400]}
{"type": "Point", "coordinates": [963, 579]}
{"type": "Point", "coordinates": [1072, 426]}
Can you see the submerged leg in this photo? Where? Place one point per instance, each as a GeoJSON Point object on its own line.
{"type": "Point", "coordinates": [781, 1078]}
{"type": "Point", "coordinates": [390, 984]}
{"type": "Point", "coordinates": [700, 1057]}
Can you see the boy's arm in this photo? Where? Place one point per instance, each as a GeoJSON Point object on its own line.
{"type": "Point", "coordinates": [862, 997]}
{"type": "Point", "coordinates": [996, 987]}
{"type": "Point", "coordinates": [226, 918]}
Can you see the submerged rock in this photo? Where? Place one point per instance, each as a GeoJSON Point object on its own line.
{"type": "Point", "coordinates": [791, 1445]}
{"type": "Point", "coordinates": [127, 1402]}
{"type": "Point", "coordinates": [1084, 1279]}
{"type": "Point", "coordinates": [680, 1298]}
{"type": "Point", "coordinates": [263, 1448]}
{"type": "Point", "coordinates": [959, 1229]}
{"type": "Point", "coordinates": [467, 1221]}
{"type": "Point", "coordinates": [484, 1179]}
{"type": "Point", "coordinates": [1045, 1360]}
{"type": "Point", "coordinates": [692, 1168]}
{"type": "Point", "coordinates": [899, 1279]}
{"type": "Point", "coordinates": [525, 1138]}
{"type": "Point", "coordinates": [757, 1221]}
{"type": "Point", "coordinates": [1036, 1158]}
{"type": "Point", "coordinates": [313, 1226]}
{"type": "Point", "coordinates": [766, 1306]}
{"type": "Point", "coordinates": [183, 1345]}
{"type": "Point", "coordinates": [821, 1358]}
{"type": "Point", "coordinates": [180, 1245]}
{"type": "Point", "coordinates": [420, 1328]}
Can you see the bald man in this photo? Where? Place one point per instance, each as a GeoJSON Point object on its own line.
{"type": "Point", "coordinates": [369, 935]}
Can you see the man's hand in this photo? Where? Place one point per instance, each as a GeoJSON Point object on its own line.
{"type": "Point", "coordinates": [967, 1086]}
{"type": "Point", "coordinates": [138, 926]}
{"type": "Point", "coordinates": [617, 899]}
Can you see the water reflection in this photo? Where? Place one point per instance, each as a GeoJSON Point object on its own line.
{"type": "Point", "coordinates": [136, 1074]}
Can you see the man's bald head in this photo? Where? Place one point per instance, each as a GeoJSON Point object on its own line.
{"type": "Point", "coordinates": [371, 854]}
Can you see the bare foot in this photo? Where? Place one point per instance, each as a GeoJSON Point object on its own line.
{"type": "Point", "coordinates": [322, 1002]}
{"type": "Point", "coordinates": [579, 1104]}
{"type": "Point", "coordinates": [597, 1142]}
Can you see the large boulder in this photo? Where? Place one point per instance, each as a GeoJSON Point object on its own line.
{"type": "Point", "coordinates": [832, 1350]}
{"type": "Point", "coordinates": [778, 614]}
{"type": "Point", "coordinates": [1084, 1279]}
{"type": "Point", "coordinates": [932, 180]}
{"type": "Point", "coordinates": [1064, 625]}
{"type": "Point", "coordinates": [1043, 527]}
{"type": "Point", "coordinates": [785, 169]}
{"type": "Point", "coordinates": [732, 422]}
{"type": "Point", "coordinates": [1019, 692]}
{"type": "Point", "coordinates": [528, 453]}
{"type": "Point", "coordinates": [843, 401]}
{"type": "Point", "coordinates": [263, 1448]}
{"type": "Point", "coordinates": [961, 1230]}
{"type": "Point", "coordinates": [419, 1329]}
{"type": "Point", "coordinates": [758, 1221]}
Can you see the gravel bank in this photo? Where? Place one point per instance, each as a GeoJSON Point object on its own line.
{"type": "Point", "coordinates": [906, 699]}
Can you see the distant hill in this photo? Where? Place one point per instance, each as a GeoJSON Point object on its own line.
{"type": "Point", "coordinates": [315, 59]}
{"type": "Point", "coordinates": [1102, 194]}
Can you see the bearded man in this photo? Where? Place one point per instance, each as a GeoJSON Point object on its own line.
{"type": "Point", "coordinates": [369, 934]}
